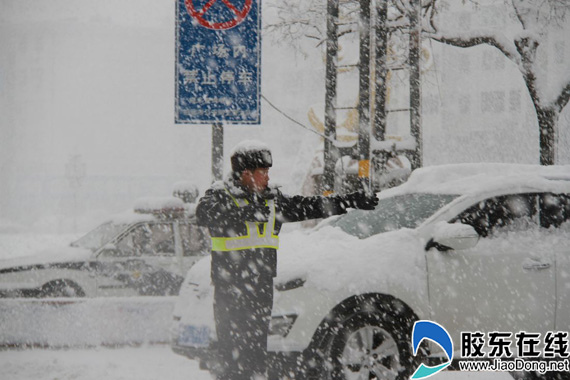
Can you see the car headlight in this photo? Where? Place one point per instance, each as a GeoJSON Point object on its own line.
{"type": "Point", "coordinates": [282, 324]}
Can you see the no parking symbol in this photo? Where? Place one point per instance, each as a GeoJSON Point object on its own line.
{"type": "Point", "coordinates": [204, 14]}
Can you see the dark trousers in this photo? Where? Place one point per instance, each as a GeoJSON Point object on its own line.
{"type": "Point", "coordinates": [242, 311]}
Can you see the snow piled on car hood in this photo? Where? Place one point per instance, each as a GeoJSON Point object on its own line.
{"type": "Point", "coordinates": [58, 255]}
{"type": "Point", "coordinates": [332, 260]}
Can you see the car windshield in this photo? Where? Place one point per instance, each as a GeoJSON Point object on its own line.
{"type": "Point", "coordinates": [402, 211]}
{"type": "Point", "coordinates": [99, 236]}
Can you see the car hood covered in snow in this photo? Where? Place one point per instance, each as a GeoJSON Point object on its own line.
{"type": "Point", "coordinates": [331, 260]}
{"type": "Point", "coordinates": [47, 257]}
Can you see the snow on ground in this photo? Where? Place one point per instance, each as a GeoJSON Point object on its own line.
{"type": "Point", "coordinates": [141, 363]}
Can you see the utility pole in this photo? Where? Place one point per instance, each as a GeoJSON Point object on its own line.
{"type": "Point", "coordinates": [330, 156]}
{"type": "Point", "coordinates": [364, 96]}
{"type": "Point", "coordinates": [217, 151]}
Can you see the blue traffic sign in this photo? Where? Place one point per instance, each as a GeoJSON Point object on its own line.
{"type": "Point", "coordinates": [218, 56]}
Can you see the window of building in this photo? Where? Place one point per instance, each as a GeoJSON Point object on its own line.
{"type": "Point", "coordinates": [514, 100]}
{"type": "Point", "coordinates": [464, 104]}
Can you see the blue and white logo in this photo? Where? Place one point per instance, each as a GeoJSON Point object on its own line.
{"type": "Point", "coordinates": [438, 334]}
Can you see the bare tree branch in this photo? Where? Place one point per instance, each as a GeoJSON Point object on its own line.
{"type": "Point", "coordinates": [431, 18]}
{"type": "Point", "coordinates": [474, 41]}
{"type": "Point", "coordinates": [518, 14]}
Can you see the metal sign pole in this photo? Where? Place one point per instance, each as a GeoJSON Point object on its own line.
{"type": "Point", "coordinates": [217, 151]}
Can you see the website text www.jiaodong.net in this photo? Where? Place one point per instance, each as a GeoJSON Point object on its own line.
{"type": "Point", "coordinates": [499, 365]}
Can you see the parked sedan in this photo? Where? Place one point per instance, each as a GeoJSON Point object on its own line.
{"type": "Point", "coordinates": [474, 247]}
{"type": "Point", "coordinates": [146, 252]}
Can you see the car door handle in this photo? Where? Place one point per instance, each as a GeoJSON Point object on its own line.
{"type": "Point", "coordinates": [530, 264]}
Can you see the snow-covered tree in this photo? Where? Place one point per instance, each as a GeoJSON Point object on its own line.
{"type": "Point", "coordinates": [523, 40]}
{"type": "Point", "coordinates": [306, 19]}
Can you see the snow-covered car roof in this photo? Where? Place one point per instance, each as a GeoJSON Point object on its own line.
{"type": "Point", "coordinates": [463, 179]}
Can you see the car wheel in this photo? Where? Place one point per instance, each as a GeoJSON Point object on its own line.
{"type": "Point", "coordinates": [370, 346]}
{"type": "Point", "coordinates": [61, 288]}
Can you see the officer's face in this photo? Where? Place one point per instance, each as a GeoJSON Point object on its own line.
{"type": "Point", "coordinates": [256, 180]}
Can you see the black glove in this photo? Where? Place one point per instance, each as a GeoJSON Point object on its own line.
{"type": "Point", "coordinates": [361, 200]}
{"type": "Point", "coordinates": [255, 212]}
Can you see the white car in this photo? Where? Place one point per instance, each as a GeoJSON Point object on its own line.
{"type": "Point", "coordinates": [146, 252]}
{"type": "Point", "coordinates": [473, 247]}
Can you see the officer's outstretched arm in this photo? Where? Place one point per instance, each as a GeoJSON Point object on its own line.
{"type": "Point", "coordinates": [298, 207]}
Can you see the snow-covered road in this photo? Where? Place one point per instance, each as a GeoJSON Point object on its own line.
{"type": "Point", "coordinates": [141, 363]}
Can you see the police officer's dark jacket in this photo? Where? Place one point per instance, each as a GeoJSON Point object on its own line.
{"type": "Point", "coordinates": [219, 210]}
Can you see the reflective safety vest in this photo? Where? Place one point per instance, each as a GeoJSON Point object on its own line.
{"type": "Point", "coordinates": [253, 238]}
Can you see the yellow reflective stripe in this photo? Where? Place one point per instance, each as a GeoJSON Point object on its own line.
{"type": "Point", "coordinates": [225, 244]}
{"type": "Point", "coordinates": [219, 244]}
{"type": "Point", "coordinates": [264, 224]}
{"type": "Point", "coordinates": [248, 233]}
{"type": "Point", "coordinates": [233, 198]}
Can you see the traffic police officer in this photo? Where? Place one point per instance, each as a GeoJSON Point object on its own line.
{"type": "Point", "coordinates": [244, 216]}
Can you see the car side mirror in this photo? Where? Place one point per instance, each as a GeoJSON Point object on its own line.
{"type": "Point", "coordinates": [455, 236]}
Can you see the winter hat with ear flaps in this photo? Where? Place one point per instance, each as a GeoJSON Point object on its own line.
{"type": "Point", "coordinates": [250, 154]}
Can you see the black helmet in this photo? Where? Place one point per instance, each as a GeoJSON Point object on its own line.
{"type": "Point", "coordinates": [250, 154]}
